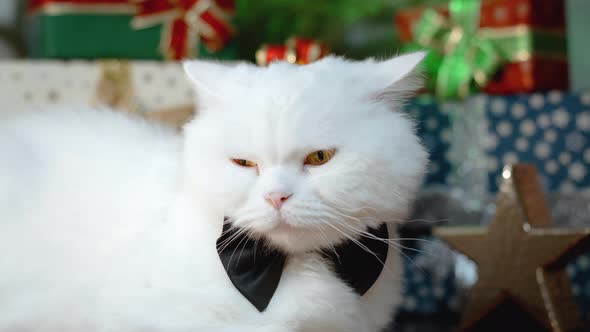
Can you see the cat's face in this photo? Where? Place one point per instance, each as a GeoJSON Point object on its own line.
{"type": "Point", "coordinates": [306, 156]}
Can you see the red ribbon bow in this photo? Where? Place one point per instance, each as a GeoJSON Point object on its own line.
{"type": "Point", "coordinates": [187, 21]}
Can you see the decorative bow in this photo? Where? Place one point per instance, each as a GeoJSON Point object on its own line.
{"type": "Point", "coordinates": [255, 269]}
{"type": "Point", "coordinates": [469, 57]}
{"type": "Point", "coordinates": [185, 22]}
{"type": "Point", "coordinates": [464, 56]}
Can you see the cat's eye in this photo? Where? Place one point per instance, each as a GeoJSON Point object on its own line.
{"type": "Point", "coordinates": [319, 157]}
{"type": "Point", "coordinates": [244, 163]}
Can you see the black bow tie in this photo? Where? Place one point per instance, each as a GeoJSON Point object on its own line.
{"type": "Point", "coordinates": [255, 270]}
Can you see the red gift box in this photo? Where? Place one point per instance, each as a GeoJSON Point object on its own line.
{"type": "Point", "coordinates": [543, 69]}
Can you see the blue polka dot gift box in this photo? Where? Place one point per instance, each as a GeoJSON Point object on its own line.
{"type": "Point", "coordinates": [579, 274]}
{"type": "Point", "coordinates": [550, 130]}
{"type": "Point", "coordinates": [429, 279]}
{"type": "Point", "coordinates": [434, 128]}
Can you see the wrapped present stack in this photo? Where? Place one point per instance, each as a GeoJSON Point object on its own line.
{"type": "Point", "coordinates": [144, 29]}
{"type": "Point", "coordinates": [498, 93]}
{"type": "Point", "coordinates": [498, 74]}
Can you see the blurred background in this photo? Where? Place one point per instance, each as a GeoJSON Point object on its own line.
{"type": "Point", "coordinates": [356, 29]}
{"type": "Point", "coordinates": [508, 81]}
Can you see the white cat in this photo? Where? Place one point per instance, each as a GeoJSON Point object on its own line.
{"type": "Point", "coordinates": [109, 223]}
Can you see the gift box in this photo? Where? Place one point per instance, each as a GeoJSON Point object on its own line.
{"type": "Point", "coordinates": [507, 46]}
{"type": "Point", "coordinates": [28, 85]}
{"type": "Point", "coordinates": [550, 130]}
{"type": "Point", "coordinates": [434, 129]}
{"type": "Point", "coordinates": [147, 29]}
{"type": "Point", "coordinates": [429, 288]}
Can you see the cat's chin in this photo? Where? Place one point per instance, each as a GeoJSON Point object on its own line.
{"type": "Point", "coordinates": [298, 239]}
{"type": "Point", "coordinates": [290, 238]}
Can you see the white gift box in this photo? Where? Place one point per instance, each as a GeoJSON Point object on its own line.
{"type": "Point", "coordinates": [33, 84]}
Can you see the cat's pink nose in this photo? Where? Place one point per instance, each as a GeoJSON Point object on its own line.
{"type": "Point", "coordinates": [277, 199]}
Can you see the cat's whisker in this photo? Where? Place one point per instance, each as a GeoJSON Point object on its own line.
{"type": "Point", "coordinates": [395, 247]}
{"type": "Point", "coordinates": [360, 219]}
{"type": "Point", "coordinates": [232, 221]}
{"type": "Point", "coordinates": [340, 209]}
{"type": "Point", "coordinates": [244, 216]}
{"type": "Point", "coordinates": [242, 213]}
{"type": "Point", "coordinates": [390, 242]}
{"type": "Point", "coordinates": [247, 236]}
{"type": "Point", "coordinates": [226, 243]}
{"type": "Point", "coordinates": [360, 209]}
{"type": "Point", "coordinates": [341, 205]}
{"type": "Point", "coordinates": [436, 221]}
{"type": "Point", "coordinates": [413, 239]}
{"type": "Point", "coordinates": [230, 237]}
{"type": "Point", "coordinates": [237, 246]}
{"type": "Point", "coordinates": [359, 244]}
{"type": "Point", "coordinates": [346, 216]}
{"type": "Point", "coordinates": [324, 238]}
{"type": "Point", "coordinates": [255, 248]}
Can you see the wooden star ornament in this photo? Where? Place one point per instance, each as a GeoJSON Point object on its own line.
{"type": "Point", "coordinates": [520, 258]}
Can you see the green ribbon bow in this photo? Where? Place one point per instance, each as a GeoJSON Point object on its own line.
{"type": "Point", "coordinates": [468, 58]}
{"type": "Point", "coordinates": [463, 56]}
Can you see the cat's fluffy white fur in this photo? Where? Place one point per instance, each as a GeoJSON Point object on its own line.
{"type": "Point", "coordinates": [109, 223]}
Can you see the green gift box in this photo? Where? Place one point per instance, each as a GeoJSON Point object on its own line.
{"type": "Point", "coordinates": [148, 29]}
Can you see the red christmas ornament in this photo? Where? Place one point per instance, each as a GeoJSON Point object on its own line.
{"type": "Point", "coordinates": [308, 50]}
{"type": "Point", "coordinates": [269, 53]}
{"type": "Point", "coordinates": [295, 50]}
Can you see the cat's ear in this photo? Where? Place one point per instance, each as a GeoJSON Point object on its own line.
{"type": "Point", "coordinates": [399, 77]}
{"type": "Point", "coordinates": [207, 77]}
{"type": "Point", "coordinates": [213, 81]}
